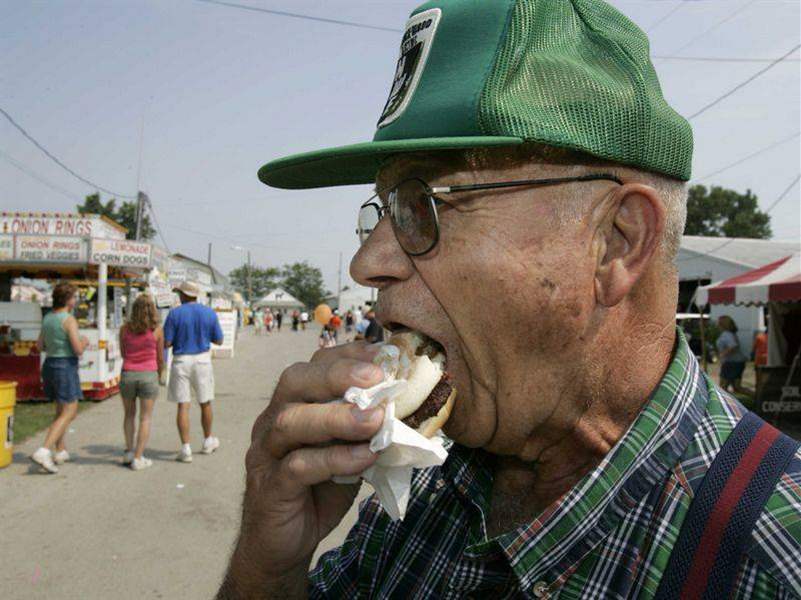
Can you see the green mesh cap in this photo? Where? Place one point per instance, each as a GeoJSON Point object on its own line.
{"type": "Point", "coordinates": [568, 73]}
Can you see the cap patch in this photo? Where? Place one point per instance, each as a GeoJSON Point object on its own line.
{"type": "Point", "coordinates": [415, 46]}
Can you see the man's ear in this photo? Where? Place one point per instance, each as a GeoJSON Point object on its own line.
{"type": "Point", "coordinates": [627, 241]}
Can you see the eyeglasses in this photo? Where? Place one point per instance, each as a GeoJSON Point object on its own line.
{"type": "Point", "coordinates": [412, 207]}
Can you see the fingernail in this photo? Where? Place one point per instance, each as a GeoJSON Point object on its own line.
{"type": "Point", "coordinates": [361, 451]}
{"type": "Point", "coordinates": [372, 415]}
{"type": "Point", "coordinates": [373, 349]}
{"type": "Point", "coordinates": [366, 372]}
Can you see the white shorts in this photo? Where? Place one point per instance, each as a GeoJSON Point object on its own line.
{"type": "Point", "coordinates": [191, 372]}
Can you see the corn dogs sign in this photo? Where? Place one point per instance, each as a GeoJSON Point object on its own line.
{"type": "Point", "coordinates": [120, 253]}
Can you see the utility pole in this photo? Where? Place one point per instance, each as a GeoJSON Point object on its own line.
{"type": "Point", "coordinates": [250, 281]}
{"type": "Point", "coordinates": [208, 261]}
{"type": "Point", "coordinates": [141, 201]}
{"type": "Point", "coordinates": [339, 283]}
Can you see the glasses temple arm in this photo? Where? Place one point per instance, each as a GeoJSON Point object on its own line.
{"type": "Point", "coordinates": [506, 184]}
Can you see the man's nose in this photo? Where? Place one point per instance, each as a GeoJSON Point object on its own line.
{"type": "Point", "coordinates": [381, 260]}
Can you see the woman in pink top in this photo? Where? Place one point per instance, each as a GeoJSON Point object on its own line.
{"type": "Point", "coordinates": [142, 348]}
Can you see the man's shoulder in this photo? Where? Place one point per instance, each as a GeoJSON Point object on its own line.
{"type": "Point", "coordinates": [775, 544]}
{"type": "Point", "coordinates": [776, 537]}
{"type": "Point", "coordinates": [206, 310]}
{"type": "Point", "coordinates": [179, 310]}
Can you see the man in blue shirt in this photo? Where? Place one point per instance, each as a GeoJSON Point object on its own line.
{"type": "Point", "coordinates": [190, 330]}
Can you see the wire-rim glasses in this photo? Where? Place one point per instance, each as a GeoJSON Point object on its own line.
{"type": "Point", "coordinates": [412, 207]}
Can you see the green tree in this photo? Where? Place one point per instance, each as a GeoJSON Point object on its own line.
{"type": "Point", "coordinates": [718, 212]}
{"type": "Point", "coordinates": [125, 215]}
{"type": "Point", "coordinates": [262, 280]}
{"type": "Point", "coordinates": [305, 282]}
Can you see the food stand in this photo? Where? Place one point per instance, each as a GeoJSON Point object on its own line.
{"type": "Point", "coordinates": [89, 251]}
{"type": "Point", "coordinates": [776, 286]}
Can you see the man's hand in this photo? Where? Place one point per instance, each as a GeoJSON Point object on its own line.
{"type": "Point", "coordinates": [297, 445]}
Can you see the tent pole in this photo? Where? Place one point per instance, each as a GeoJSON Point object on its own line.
{"type": "Point", "coordinates": [703, 344]}
{"type": "Point", "coordinates": [703, 333]}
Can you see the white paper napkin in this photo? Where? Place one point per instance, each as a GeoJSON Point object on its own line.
{"type": "Point", "coordinates": [400, 448]}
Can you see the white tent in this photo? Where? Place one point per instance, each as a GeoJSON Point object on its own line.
{"type": "Point", "coordinates": [281, 299]}
{"type": "Point", "coordinates": [352, 298]}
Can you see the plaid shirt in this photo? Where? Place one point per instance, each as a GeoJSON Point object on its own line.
{"type": "Point", "coordinates": [610, 536]}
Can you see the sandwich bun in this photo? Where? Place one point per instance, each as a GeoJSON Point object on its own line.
{"type": "Point", "coordinates": [410, 356]}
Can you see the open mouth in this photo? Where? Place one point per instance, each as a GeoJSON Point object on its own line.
{"type": "Point", "coordinates": [428, 395]}
{"type": "Point", "coordinates": [428, 346]}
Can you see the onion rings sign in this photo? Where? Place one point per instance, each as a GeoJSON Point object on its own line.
{"type": "Point", "coordinates": [120, 253]}
{"type": "Point", "coordinates": [49, 249]}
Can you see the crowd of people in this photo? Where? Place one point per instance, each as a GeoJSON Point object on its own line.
{"type": "Point", "coordinates": [348, 326]}
{"type": "Point", "coordinates": [189, 330]}
{"type": "Point", "coordinates": [359, 325]}
{"type": "Point", "coordinates": [266, 320]}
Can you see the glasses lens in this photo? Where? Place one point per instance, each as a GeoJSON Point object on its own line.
{"type": "Point", "coordinates": [367, 221]}
{"type": "Point", "coordinates": [413, 216]}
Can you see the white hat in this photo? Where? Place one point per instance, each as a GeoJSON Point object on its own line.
{"type": "Point", "coordinates": [189, 289]}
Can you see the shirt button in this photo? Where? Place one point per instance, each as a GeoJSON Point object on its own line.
{"type": "Point", "coordinates": [540, 589]}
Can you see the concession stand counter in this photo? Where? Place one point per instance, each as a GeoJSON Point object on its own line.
{"type": "Point", "coordinates": [89, 251]}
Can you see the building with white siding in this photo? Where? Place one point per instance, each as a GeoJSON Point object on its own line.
{"type": "Point", "coordinates": [704, 260]}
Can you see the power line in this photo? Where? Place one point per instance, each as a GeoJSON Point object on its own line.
{"type": "Point", "coordinates": [783, 194]}
{"type": "Point", "coordinates": [56, 160]}
{"type": "Point", "coordinates": [282, 13]}
{"type": "Point", "coordinates": [666, 16]}
{"type": "Point", "coordinates": [743, 84]}
{"type": "Point", "coordinates": [234, 240]}
{"type": "Point", "coordinates": [390, 29]}
{"type": "Point", "coordinates": [39, 178]}
{"type": "Point", "coordinates": [719, 59]}
{"type": "Point", "coordinates": [730, 240]}
{"type": "Point", "coordinates": [749, 157]}
{"type": "Point", "coordinates": [725, 19]}
{"type": "Point", "coordinates": [158, 227]}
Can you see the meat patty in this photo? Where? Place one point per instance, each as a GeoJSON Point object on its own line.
{"type": "Point", "coordinates": [432, 405]}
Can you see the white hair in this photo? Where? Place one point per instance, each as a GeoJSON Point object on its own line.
{"type": "Point", "coordinates": [672, 192]}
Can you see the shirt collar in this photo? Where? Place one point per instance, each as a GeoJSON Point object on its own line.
{"type": "Point", "coordinates": [548, 548]}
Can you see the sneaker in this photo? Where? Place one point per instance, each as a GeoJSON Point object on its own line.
{"type": "Point", "coordinates": [185, 455]}
{"type": "Point", "coordinates": [44, 458]}
{"type": "Point", "coordinates": [127, 457]}
{"type": "Point", "coordinates": [210, 444]}
{"type": "Point", "coordinates": [141, 463]}
{"type": "Point", "coordinates": [61, 457]}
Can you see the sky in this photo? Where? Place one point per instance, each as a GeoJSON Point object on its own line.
{"type": "Point", "coordinates": [206, 94]}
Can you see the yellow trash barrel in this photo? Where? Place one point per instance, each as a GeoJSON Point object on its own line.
{"type": "Point", "coordinates": [8, 398]}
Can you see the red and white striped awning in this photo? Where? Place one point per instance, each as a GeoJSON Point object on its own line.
{"type": "Point", "coordinates": [779, 281]}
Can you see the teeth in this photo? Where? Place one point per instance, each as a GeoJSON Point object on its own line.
{"type": "Point", "coordinates": [420, 344]}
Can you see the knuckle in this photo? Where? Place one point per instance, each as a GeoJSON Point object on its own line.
{"type": "Point", "coordinates": [319, 354]}
{"type": "Point", "coordinates": [260, 425]}
{"type": "Point", "coordinates": [336, 375]}
{"type": "Point", "coordinates": [252, 458]}
{"type": "Point", "coordinates": [291, 374]}
{"type": "Point", "coordinates": [282, 422]}
{"type": "Point", "coordinates": [296, 465]}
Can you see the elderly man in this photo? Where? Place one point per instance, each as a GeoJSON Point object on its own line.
{"type": "Point", "coordinates": [527, 168]}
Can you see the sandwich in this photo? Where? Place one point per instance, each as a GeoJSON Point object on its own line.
{"type": "Point", "coordinates": [424, 403]}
